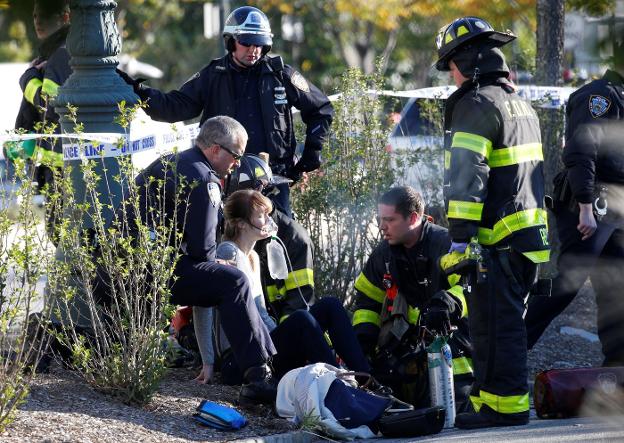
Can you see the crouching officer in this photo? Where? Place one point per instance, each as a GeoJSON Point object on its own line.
{"type": "Point", "coordinates": [257, 90]}
{"type": "Point", "coordinates": [494, 191]}
{"type": "Point", "coordinates": [200, 280]}
{"type": "Point", "coordinates": [401, 287]}
{"type": "Point", "coordinates": [589, 209]}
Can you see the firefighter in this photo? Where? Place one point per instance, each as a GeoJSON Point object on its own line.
{"type": "Point", "coordinates": [199, 279]}
{"type": "Point", "coordinates": [589, 210]}
{"type": "Point", "coordinates": [400, 281]}
{"type": "Point", "coordinates": [494, 193]}
{"type": "Point", "coordinates": [257, 90]}
{"type": "Point", "coordinates": [39, 84]}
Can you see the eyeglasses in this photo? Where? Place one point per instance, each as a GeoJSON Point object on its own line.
{"type": "Point", "coordinates": [235, 155]}
{"type": "Point", "coordinates": [247, 44]}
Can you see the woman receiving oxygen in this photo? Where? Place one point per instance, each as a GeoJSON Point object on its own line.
{"type": "Point", "coordinates": [299, 339]}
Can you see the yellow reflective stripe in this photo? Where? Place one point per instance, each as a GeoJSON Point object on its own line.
{"type": "Point", "coordinates": [413, 314]}
{"type": "Point", "coordinates": [48, 158]}
{"type": "Point", "coordinates": [299, 278]}
{"type": "Point", "coordinates": [472, 142]}
{"type": "Point", "coordinates": [465, 210]}
{"type": "Point", "coordinates": [31, 90]}
{"type": "Point", "coordinates": [453, 279]}
{"type": "Point", "coordinates": [516, 154]}
{"type": "Point", "coordinates": [364, 285]}
{"type": "Point", "coordinates": [283, 317]}
{"type": "Point", "coordinates": [512, 223]}
{"type": "Point", "coordinates": [461, 31]}
{"type": "Point", "coordinates": [511, 404]}
{"type": "Point", "coordinates": [458, 292]}
{"type": "Point", "coordinates": [275, 294]}
{"type": "Point", "coordinates": [476, 402]}
{"type": "Point", "coordinates": [538, 256]}
{"type": "Point", "coordinates": [366, 316]}
{"type": "Point", "coordinates": [447, 159]}
{"type": "Point", "coordinates": [462, 365]}
{"type": "Point", "coordinates": [49, 87]}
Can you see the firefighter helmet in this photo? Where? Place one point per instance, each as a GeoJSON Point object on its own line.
{"type": "Point", "coordinates": [248, 26]}
{"type": "Point", "coordinates": [253, 173]}
{"type": "Point", "coordinates": [464, 31]}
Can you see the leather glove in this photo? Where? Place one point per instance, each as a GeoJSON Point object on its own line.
{"type": "Point", "coordinates": [436, 318]}
{"type": "Point", "coordinates": [137, 84]}
{"type": "Point", "coordinates": [458, 246]}
{"type": "Point", "coordinates": [310, 160]}
{"type": "Point", "coordinates": [294, 174]}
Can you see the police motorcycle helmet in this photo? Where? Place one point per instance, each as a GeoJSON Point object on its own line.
{"type": "Point", "coordinates": [463, 32]}
{"type": "Point", "coordinates": [253, 173]}
{"type": "Point", "coordinates": [248, 26]}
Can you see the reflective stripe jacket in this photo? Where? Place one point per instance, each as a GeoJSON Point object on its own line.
{"type": "Point", "coordinates": [417, 275]}
{"type": "Point", "coordinates": [39, 86]}
{"type": "Point", "coordinates": [494, 184]}
{"type": "Point", "coordinates": [211, 92]}
{"type": "Point", "coordinates": [593, 149]}
{"type": "Point", "coordinates": [285, 296]}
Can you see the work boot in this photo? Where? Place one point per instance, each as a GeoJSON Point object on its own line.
{"type": "Point", "coordinates": [261, 386]}
{"type": "Point", "coordinates": [487, 418]}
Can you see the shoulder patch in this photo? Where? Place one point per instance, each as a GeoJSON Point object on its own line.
{"type": "Point", "coordinates": [299, 82]}
{"type": "Point", "coordinates": [214, 193]}
{"type": "Point", "coordinates": [598, 105]}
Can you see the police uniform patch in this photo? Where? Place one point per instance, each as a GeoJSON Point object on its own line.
{"type": "Point", "coordinates": [299, 82]}
{"type": "Point", "coordinates": [598, 105]}
{"type": "Point", "coordinates": [214, 193]}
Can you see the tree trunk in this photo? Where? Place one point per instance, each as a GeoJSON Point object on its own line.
{"type": "Point", "coordinates": [549, 57]}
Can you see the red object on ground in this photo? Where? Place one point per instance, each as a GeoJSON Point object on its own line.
{"type": "Point", "coordinates": [182, 317]}
{"type": "Point", "coordinates": [559, 393]}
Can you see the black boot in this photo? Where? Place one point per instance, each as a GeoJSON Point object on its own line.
{"type": "Point", "coordinates": [487, 418]}
{"type": "Point", "coordinates": [260, 386]}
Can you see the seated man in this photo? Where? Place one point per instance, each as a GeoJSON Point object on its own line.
{"type": "Point", "coordinates": [200, 279]}
{"type": "Point", "coordinates": [402, 287]}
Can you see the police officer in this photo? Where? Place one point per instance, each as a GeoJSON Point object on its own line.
{"type": "Point", "coordinates": [494, 192]}
{"type": "Point", "coordinates": [200, 279]}
{"type": "Point", "coordinates": [589, 209]}
{"type": "Point", "coordinates": [256, 89]}
{"type": "Point", "coordinates": [400, 287]}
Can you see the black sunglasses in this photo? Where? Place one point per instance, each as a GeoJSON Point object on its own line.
{"type": "Point", "coordinates": [236, 156]}
{"type": "Point", "coordinates": [247, 44]}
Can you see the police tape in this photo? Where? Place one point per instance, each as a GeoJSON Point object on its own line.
{"type": "Point", "coordinates": [91, 146]}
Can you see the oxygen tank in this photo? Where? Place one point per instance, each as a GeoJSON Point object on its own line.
{"type": "Point", "coordinates": [441, 388]}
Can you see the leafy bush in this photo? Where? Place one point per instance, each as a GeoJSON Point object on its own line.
{"type": "Point", "coordinates": [25, 254]}
{"type": "Point", "coordinates": [338, 205]}
{"type": "Point", "coordinates": [110, 284]}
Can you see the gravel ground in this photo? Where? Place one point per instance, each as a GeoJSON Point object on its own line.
{"type": "Point", "coordinates": [62, 408]}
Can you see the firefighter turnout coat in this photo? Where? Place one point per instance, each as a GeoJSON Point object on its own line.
{"type": "Point", "coordinates": [416, 274]}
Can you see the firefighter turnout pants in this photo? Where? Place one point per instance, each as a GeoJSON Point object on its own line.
{"type": "Point", "coordinates": [497, 331]}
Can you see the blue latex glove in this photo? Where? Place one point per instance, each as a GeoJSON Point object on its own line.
{"type": "Point", "coordinates": [459, 247]}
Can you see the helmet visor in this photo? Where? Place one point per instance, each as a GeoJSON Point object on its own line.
{"type": "Point", "coordinates": [249, 39]}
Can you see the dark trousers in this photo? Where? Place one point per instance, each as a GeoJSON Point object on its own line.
{"type": "Point", "coordinates": [226, 287]}
{"type": "Point", "coordinates": [498, 334]}
{"type": "Point", "coordinates": [600, 257]}
{"type": "Point", "coordinates": [300, 338]}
